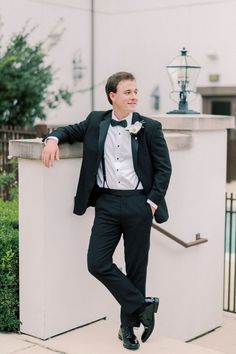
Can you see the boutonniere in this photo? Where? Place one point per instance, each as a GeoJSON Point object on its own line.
{"type": "Point", "coordinates": [135, 128]}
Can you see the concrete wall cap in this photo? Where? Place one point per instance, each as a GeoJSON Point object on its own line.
{"type": "Point", "coordinates": [32, 148]}
{"type": "Point", "coordinates": [195, 122]}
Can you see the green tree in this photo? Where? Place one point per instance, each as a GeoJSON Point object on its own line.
{"type": "Point", "coordinates": [25, 81]}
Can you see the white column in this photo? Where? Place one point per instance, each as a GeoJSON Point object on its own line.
{"type": "Point", "coordinates": [190, 281]}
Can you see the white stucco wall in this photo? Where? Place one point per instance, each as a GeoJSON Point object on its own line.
{"type": "Point", "coordinates": [53, 247]}
{"type": "Point", "coordinates": [153, 32]}
{"type": "Point", "coordinates": [189, 279]}
{"type": "Point", "coordinates": [141, 37]}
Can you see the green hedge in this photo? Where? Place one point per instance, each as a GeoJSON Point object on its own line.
{"type": "Point", "coordinates": [9, 266]}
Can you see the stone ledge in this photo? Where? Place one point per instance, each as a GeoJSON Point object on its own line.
{"type": "Point", "coordinates": [32, 148]}
{"type": "Point", "coordinates": [195, 122]}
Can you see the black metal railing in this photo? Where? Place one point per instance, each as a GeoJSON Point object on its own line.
{"type": "Point", "coordinates": [230, 254]}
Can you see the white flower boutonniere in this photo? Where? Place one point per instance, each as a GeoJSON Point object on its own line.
{"type": "Point", "coordinates": [135, 128]}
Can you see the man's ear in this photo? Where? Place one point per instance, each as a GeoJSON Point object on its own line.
{"type": "Point", "coordinates": [112, 95]}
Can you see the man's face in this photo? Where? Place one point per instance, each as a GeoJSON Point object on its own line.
{"type": "Point", "coordinates": [125, 99]}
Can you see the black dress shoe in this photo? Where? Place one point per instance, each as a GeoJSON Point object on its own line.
{"type": "Point", "coordinates": [126, 334]}
{"type": "Point", "coordinates": [147, 316]}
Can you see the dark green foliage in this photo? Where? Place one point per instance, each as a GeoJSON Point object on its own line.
{"type": "Point", "coordinates": [24, 83]}
{"type": "Point", "coordinates": [9, 266]}
{"type": "Point", "coordinates": [8, 181]}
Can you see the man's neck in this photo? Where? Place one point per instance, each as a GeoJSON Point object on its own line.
{"type": "Point", "coordinates": [121, 115]}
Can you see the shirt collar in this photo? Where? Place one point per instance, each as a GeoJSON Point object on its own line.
{"type": "Point", "coordinates": [128, 118]}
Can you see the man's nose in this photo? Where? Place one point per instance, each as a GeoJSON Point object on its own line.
{"type": "Point", "coordinates": [134, 95]}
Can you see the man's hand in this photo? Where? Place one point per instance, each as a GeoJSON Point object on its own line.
{"type": "Point", "coordinates": [153, 206]}
{"type": "Point", "coordinates": [153, 209]}
{"type": "Point", "coordinates": [50, 153]}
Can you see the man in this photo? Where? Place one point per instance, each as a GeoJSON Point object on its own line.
{"type": "Point", "coordinates": [125, 174]}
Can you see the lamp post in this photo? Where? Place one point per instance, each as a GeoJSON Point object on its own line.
{"type": "Point", "coordinates": [183, 73]}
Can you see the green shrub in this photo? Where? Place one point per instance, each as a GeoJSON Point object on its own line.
{"type": "Point", "coordinates": [9, 181]}
{"type": "Point", "coordinates": [9, 266]}
{"type": "Point", "coordinates": [26, 81]}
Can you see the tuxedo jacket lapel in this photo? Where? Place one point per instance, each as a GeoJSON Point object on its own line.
{"type": "Point", "coordinates": [135, 143]}
{"type": "Point", "coordinates": [103, 129]}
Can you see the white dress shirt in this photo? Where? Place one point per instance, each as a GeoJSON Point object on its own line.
{"type": "Point", "coordinates": [119, 167]}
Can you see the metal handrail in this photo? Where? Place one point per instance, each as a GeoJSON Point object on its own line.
{"type": "Point", "coordinates": [197, 242]}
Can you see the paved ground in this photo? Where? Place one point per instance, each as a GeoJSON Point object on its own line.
{"type": "Point", "coordinates": [100, 338]}
{"type": "Point", "coordinates": [222, 339]}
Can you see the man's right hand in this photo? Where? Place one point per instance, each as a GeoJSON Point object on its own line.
{"type": "Point", "coordinates": [50, 153]}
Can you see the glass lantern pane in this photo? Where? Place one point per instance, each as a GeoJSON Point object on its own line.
{"type": "Point", "coordinates": [183, 73]}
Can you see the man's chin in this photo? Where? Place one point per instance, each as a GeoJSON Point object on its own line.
{"type": "Point", "coordinates": [132, 108]}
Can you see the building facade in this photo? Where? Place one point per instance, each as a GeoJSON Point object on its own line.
{"type": "Point", "coordinates": [99, 37]}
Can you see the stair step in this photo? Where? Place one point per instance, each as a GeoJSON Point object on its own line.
{"type": "Point", "coordinates": [164, 345]}
{"type": "Point", "coordinates": [101, 338]}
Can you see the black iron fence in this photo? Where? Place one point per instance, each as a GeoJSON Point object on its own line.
{"type": "Point", "coordinates": [230, 255]}
{"type": "Point", "coordinates": [9, 133]}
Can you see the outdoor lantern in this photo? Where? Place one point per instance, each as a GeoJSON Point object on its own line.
{"type": "Point", "coordinates": [156, 98]}
{"type": "Point", "coordinates": [78, 68]}
{"type": "Point", "coordinates": [183, 73]}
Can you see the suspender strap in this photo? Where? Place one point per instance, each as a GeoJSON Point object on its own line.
{"type": "Point", "coordinates": [137, 184]}
{"type": "Point", "coordinates": [104, 172]}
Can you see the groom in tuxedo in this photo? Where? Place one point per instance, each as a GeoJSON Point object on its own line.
{"type": "Point", "coordinates": [125, 174]}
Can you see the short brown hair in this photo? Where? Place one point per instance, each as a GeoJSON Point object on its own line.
{"type": "Point", "coordinates": [113, 81]}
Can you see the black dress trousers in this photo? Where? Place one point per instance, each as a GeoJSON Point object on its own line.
{"type": "Point", "coordinates": [131, 216]}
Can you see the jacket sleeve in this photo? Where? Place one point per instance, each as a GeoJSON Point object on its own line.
{"type": "Point", "coordinates": [161, 165]}
{"type": "Point", "coordinates": [71, 133]}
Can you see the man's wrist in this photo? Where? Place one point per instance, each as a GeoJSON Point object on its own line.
{"type": "Point", "coordinates": [51, 138]}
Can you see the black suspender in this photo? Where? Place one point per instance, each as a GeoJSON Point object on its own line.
{"type": "Point", "coordinates": [104, 172]}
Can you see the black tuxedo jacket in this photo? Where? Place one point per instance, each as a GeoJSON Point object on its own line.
{"type": "Point", "coordinates": [150, 157]}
